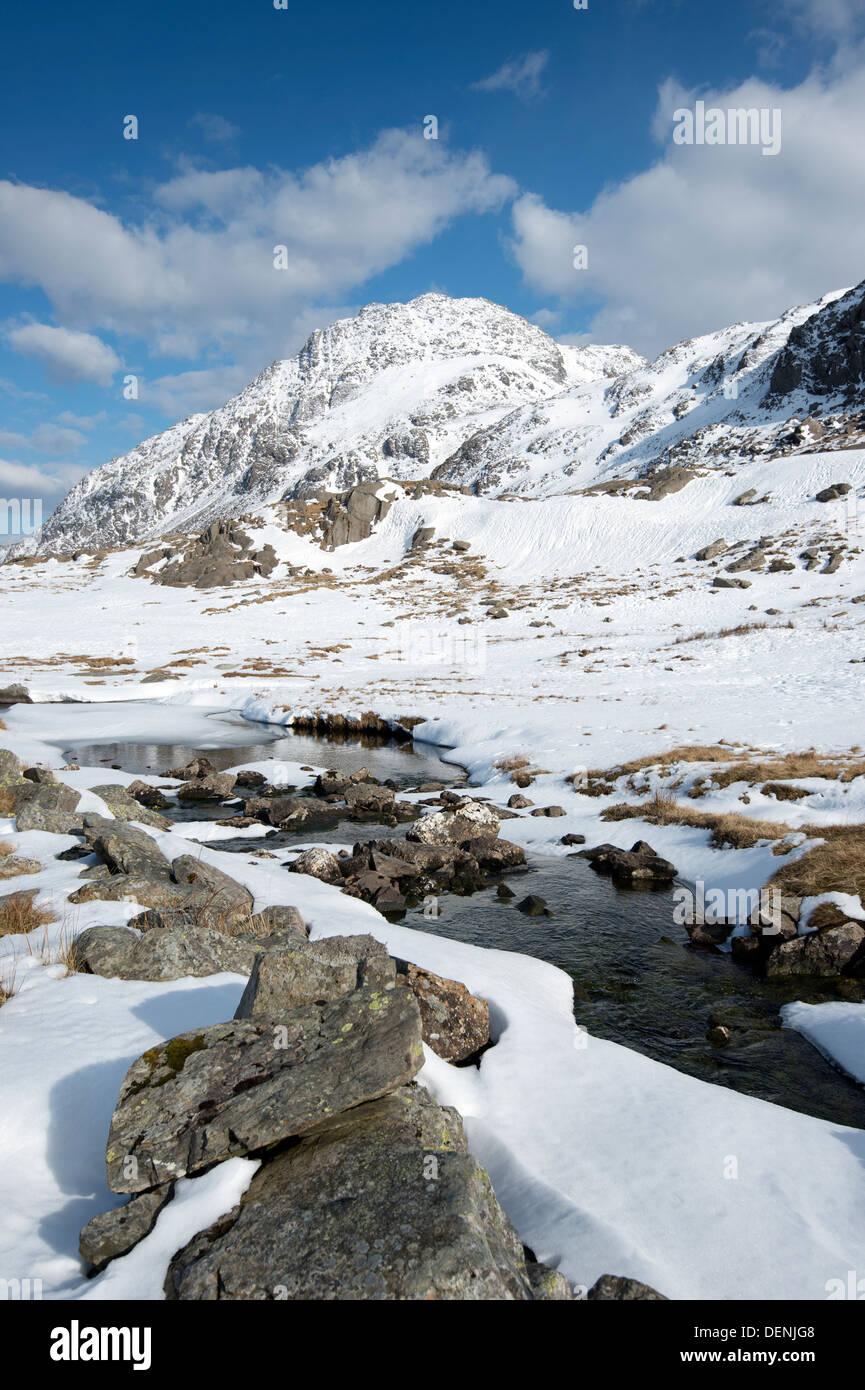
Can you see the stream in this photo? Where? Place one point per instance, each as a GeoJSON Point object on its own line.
{"type": "Point", "coordinates": [637, 981]}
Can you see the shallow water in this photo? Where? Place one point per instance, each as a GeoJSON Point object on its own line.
{"type": "Point", "coordinates": [636, 979]}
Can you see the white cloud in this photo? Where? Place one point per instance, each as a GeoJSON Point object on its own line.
{"type": "Point", "coordinates": [46, 439]}
{"type": "Point", "coordinates": [522, 76]}
{"type": "Point", "coordinates": [22, 480]}
{"type": "Point", "coordinates": [712, 234]}
{"type": "Point", "coordinates": [67, 354]}
{"type": "Point", "coordinates": [201, 273]}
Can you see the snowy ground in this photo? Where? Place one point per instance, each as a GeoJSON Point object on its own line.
{"type": "Point", "coordinates": [605, 1160]}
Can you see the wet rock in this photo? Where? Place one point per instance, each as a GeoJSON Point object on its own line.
{"type": "Point", "coordinates": [533, 906]}
{"type": "Point", "coordinates": [495, 855]}
{"type": "Point", "coordinates": [114, 1233]}
{"type": "Point", "coordinates": [318, 863]}
{"type": "Point", "coordinates": [382, 1203]}
{"type": "Point", "coordinates": [613, 1288]}
{"type": "Point", "coordinates": [640, 862]}
{"type": "Point", "coordinates": [827, 952]}
{"type": "Point", "coordinates": [315, 971]}
{"type": "Point", "coordinates": [239, 1088]}
{"type": "Point", "coordinates": [125, 807]}
{"type": "Point", "coordinates": [455, 1023]}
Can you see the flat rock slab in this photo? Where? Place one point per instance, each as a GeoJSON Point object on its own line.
{"type": "Point", "coordinates": [125, 849]}
{"type": "Point", "coordinates": [306, 972]}
{"type": "Point", "coordinates": [381, 1204]}
{"type": "Point", "coordinates": [124, 807]}
{"type": "Point", "coordinates": [49, 806]}
{"type": "Point", "coordinates": [162, 953]}
{"type": "Point", "coordinates": [239, 1088]}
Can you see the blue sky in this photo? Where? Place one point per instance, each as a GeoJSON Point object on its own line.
{"type": "Point", "coordinates": [260, 126]}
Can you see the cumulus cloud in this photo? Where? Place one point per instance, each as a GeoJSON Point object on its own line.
{"type": "Point", "coordinates": [25, 480]}
{"type": "Point", "coordinates": [46, 439]}
{"type": "Point", "coordinates": [522, 76]}
{"type": "Point", "coordinates": [712, 234]}
{"type": "Point", "coordinates": [201, 273]}
{"type": "Point", "coordinates": [68, 355]}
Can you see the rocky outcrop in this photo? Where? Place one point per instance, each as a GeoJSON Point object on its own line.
{"type": "Point", "coordinates": [114, 1233]}
{"type": "Point", "coordinates": [382, 1203]}
{"type": "Point", "coordinates": [220, 555]}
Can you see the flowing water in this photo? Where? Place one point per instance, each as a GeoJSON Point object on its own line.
{"type": "Point", "coordinates": [636, 979]}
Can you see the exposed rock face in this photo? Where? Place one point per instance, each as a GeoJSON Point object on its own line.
{"type": "Point", "coordinates": [241, 1087]}
{"type": "Point", "coordinates": [456, 1024]}
{"type": "Point", "coordinates": [220, 555]}
{"type": "Point", "coordinates": [825, 355]}
{"type": "Point", "coordinates": [116, 1232]}
{"type": "Point", "coordinates": [320, 1221]}
{"type": "Point", "coordinates": [314, 971]}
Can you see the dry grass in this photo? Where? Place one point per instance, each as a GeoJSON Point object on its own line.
{"type": "Point", "coordinates": [739, 631]}
{"type": "Point", "coordinates": [7, 801]}
{"type": "Point", "coordinates": [836, 866]}
{"type": "Point", "coordinates": [18, 915]}
{"type": "Point", "coordinates": [728, 828]}
{"type": "Point", "coordinates": [6, 849]}
{"type": "Point", "coordinates": [2, 726]}
{"type": "Point", "coordinates": [791, 766]}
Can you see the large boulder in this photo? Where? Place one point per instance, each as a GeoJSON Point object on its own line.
{"type": "Point", "coordinates": [10, 769]}
{"type": "Point", "coordinates": [239, 1088]}
{"type": "Point", "coordinates": [47, 806]}
{"type": "Point", "coordinates": [383, 1203]}
{"type": "Point", "coordinates": [213, 891]}
{"type": "Point", "coordinates": [125, 849]}
{"type": "Point", "coordinates": [314, 971]}
{"type": "Point", "coordinates": [639, 863]}
{"type": "Point", "coordinates": [318, 863]}
{"type": "Point", "coordinates": [455, 1023]}
{"type": "Point", "coordinates": [216, 786]}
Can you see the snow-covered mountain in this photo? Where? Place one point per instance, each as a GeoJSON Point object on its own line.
{"type": "Point", "coordinates": [466, 392]}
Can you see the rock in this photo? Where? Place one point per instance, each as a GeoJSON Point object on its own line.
{"type": "Point", "coordinates": [127, 808]}
{"type": "Point", "coordinates": [754, 560]}
{"type": "Point", "coordinates": [15, 695]}
{"type": "Point", "coordinates": [149, 796]}
{"type": "Point", "coordinates": [461, 547]}
{"type": "Point", "coordinates": [315, 971]}
{"type": "Point", "coordinates": [639, 862]}
{"type": "Point", "coordinates": [455, 1023]}
{"type": "Point", "coordinates": [747, 950]}
{"type": "Point", "coordinates": [518, 802]}
{"type": "Point", "coordinates": [319, 863]}
{"type": "Point", "coordinates": [572, 839]}
{"type": "Point", "coordinates": [833, 492]}
{"type": "Point", "coordinates": [162, 953]}
{"type": "Point", "coordinates": [613, 1288]}
{"type": "Point", "coordinates": [382, 1204]}
{"type": "Point", "coordinates": [498, 612]}
{"type": "Point", "coordinates": [711, 552]}
{"type": "Point", "coordinates": [125, 849]}
{"type": "Point", "coordinates": [291, 811]}
{"type": "Point", "coordinates": [11, 866]}
{"type": "Point", "coordinates": [238, 1088]}
{"type": "Point", "coordinates": [199, 767]}
{"type": "Point", "coordinates": [533, 906]}
{"type": "Point", "coordinates": [10, 769]}
{"type": "Point", "coordinates": [216, 786]}
{"type": "Point", "coordinates": [723, 582]}
{"type": "Point", "coordinates": [248, 778]}
{"type": "Point", "coordinates": [548, 811]}
{"type": "Point", "coordinates": [494, 855]}
{"type": "Point", "coordinates": [827, 952]}
{"type": "Point", "coordinates": [719, 1036]}
{"type": "Point", "coordinates": [464, 822]}
{"type": "Point", "coordinates": [116, 1232]}
{"type": "Point", "coordinates": [746, 499]}
{"type": "Point", "coordinates": [369, 800]}
{"type": "Point", "coordinates": [46, 806]}
{"type": "Point", "coordinates": [213, 891]}
{"type": "Point", "coordinates": [42, 775]}
{"type": "Point", "coordinates": [547, 1283]}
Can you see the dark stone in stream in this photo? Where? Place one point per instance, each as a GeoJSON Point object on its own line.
{"type": "Point", "coordinates": [533, 906]}
{"type": "Point", "coordinates": [572, 839]}
{"type": "Point", "coordinates": [640, 862]}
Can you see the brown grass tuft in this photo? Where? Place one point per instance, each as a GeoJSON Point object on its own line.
{"type": "Point", "coordinates": [837, 866]}
{"type": "Point", "coordinates": [18, 915]}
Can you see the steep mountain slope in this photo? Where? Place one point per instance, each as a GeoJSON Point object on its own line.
{"type": "Point", "coordinates": [469, 394]}
{"type": "Point", "coordinates": [392, 392]}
